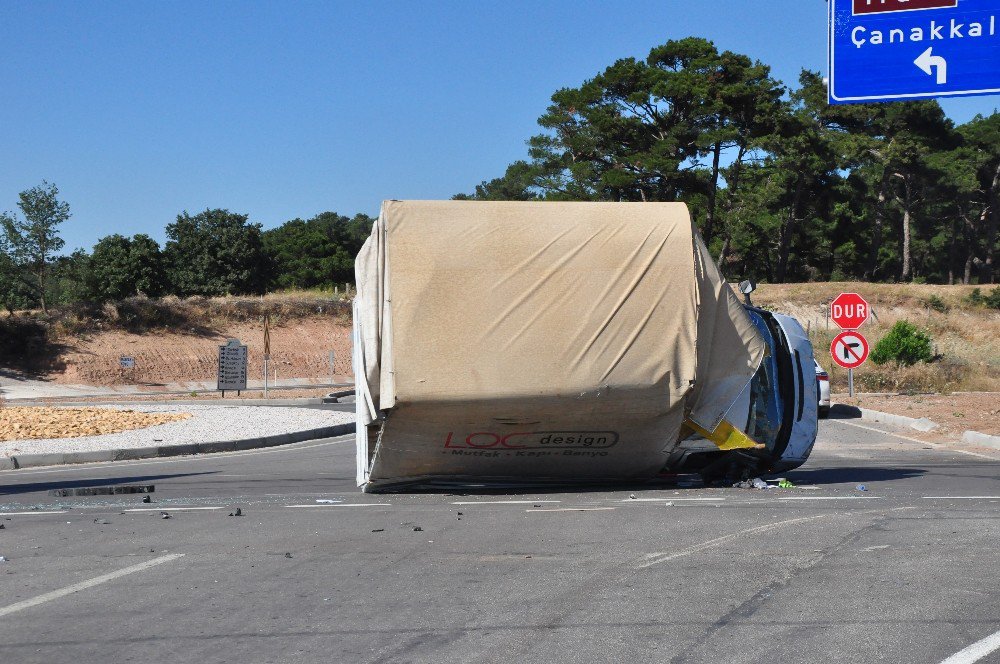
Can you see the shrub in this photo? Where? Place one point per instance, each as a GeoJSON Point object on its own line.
{"type": "Point", "coordinates": [937, 304]}
{"type": "Point", "coordinates": [905, 345]}
{"type": "Point", "coordinates": [990, 300]}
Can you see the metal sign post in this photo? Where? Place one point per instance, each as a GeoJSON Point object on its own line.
{"type": "Point", "coordinates": [894, 50]}
{"type": "Point", "coordinates": [332, 373]}
{"type": "Point", "coordinates": [267, 348]}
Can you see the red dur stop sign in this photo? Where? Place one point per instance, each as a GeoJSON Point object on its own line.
{"type": "Point", "coordinates": [849, 311]}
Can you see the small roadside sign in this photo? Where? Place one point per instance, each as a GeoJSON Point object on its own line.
{"type": "Point", "coordinates": [126, 362]}
{"type": "Point", "coordinates": [894, 50]}
{"type": "Point", "coordinates": [849, 311]}
{"type": "Point", "coordinates": [849, 349]}
{"type": "Point", "coordinates": [232, 366]}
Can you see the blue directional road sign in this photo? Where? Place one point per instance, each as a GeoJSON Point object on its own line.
{"type": "Point", "coordinates": [894, 50]}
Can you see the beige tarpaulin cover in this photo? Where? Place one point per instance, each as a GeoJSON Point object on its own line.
{"type": "Point", "coordinates": [516, 341]}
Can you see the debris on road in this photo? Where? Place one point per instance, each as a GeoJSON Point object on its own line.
{"type": "Point", "coordinates": [238, 512]}
{"type": "Point", "coordinates": [328, 501]}
{"type": "Point", "coordinates": [288, 555]}
{"type": "Point", "coordinates": [378, 530]}
{"type": "Point", "coordinates": [147, 499]}
{"type": "Point", "coordinates": [755, 483]}
{"type": "Point", "coordinates": [862, 487]}
{"type": "Point", "coordinates": [417, 529]}
{"type": "Point", "coordinates": [164, 515]}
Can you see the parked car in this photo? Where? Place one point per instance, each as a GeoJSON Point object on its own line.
{"type": "Point", "coordinates": [822, 390]}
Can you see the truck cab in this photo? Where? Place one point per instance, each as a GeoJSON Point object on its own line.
{"type": "Point", "coordinates": [778, 409]}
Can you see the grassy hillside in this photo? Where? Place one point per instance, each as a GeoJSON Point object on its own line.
{"type": "Point", "coordinates": [966, 336]}
{"type": "Point", "coordinates": [176, 340]}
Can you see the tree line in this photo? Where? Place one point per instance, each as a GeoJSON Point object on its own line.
{"type": "Point", "coordinates": [215, 252]}
{"type": "Point", "coordinates": [783, 186]}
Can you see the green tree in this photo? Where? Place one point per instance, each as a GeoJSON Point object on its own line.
{"type": "Point", "coordinates": [315, 253]}
{"type": "Point", "coordinates": [121, 267]}
{"type": "Point", "coordinates": [69, 279]}
{"type": "Point", "coordinates": [215, 252]}
{"type": "Point", "coordinates": [34, 240]}
{"type": "Point", "coordinates": [14, 292]}
{"type": "Point", "coordinates": [516, 184]}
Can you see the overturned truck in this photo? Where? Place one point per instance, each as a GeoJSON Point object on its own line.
{"type": "Point", "coordinates": [527, 343]}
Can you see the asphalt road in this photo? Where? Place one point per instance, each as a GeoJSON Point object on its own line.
{"type": "Point", "coordinates": [906, 571]}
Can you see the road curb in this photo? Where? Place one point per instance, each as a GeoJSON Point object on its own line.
{"type": "Point", "coordinates": [918, 423]}
{"type": "Point", "coordinates": [984, 439]}
{"type": "Point", "coordinates": [130, 454]}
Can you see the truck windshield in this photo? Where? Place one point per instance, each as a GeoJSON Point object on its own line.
{"type": "Point", "coordinates": [766, 405]}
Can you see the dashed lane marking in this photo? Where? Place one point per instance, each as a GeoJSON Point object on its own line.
{"type": "Point", "coordinates": [83, 585]}
{"type": "Point", "coordinates": [171, 508]}
{"type": "Point", "coordinates": [961, 497]}
{"type": "Point", "coordinates": [573, 509]}
{"type": "Point", "coordinates": [668, 498]}
{"type": "Point", "coordinates": [504, 502]}
{"type": "Point", "coordinates": [32, 513]}
{"type": "Point", "coordinates": [830, 498]}
{"type": "Point", "coordinates": [344, 505]}
{"type": "Point", "coordinates": [976, 651]}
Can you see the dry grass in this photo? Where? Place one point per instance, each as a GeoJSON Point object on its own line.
{"type": "Point", "coordinates": [27, 422]}
{"type": "Point", "coordinates": [966, 337]}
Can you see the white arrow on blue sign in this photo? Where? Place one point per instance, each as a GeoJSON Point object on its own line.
{"type": "Point", "coordinates": [895, 50]}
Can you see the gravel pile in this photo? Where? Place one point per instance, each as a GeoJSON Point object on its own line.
{"type": "Point", "coordinates": [207, 424]}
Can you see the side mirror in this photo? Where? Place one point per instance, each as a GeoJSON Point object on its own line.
{"type": "Point", "coordinates": [746, 287]}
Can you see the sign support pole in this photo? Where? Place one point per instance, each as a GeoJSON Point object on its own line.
{"type": "Point", "coordinates": [850, 383]}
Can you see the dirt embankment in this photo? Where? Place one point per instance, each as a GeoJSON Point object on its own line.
{"type": "Point", "coordinates": [299, 349]}
{"type": "Point", "coordinates": [173, 340]}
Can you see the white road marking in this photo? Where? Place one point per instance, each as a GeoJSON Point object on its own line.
{"type": "Point", "coordinates": [668, 498]}
{"type": "Point", "coordinates": [171, 509]}
{"type": "Point", "coordinates": [961, 497]}
{"type": "Point", "coordinates": [976, 651]}
{"type": "Point", "coordinates": [30, 513]}
{"type": "Point", "coordinates": [83, 585]}
{"type": "Point", "coordinates": [504, 502]}
{"type": "Point", "coordinates": [831, 498]}
{"type": "Point", "coordinates": [574, 509]}
{"type": "Point", "coordinates": [662, 557]}
{"type": "Point", "coordinates": [916, 440]}
{"type": "Point", "coordinates": [344, 505]}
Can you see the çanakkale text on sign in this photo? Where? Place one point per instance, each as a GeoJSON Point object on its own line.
{"type": "Point", "coordinates": [934, 31]}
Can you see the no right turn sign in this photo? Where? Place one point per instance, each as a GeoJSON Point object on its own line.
{"type": "Point", "coordinates": [849, 349]}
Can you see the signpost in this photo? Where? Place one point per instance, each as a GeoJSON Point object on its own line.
{"type": "Point", "coordinates": [267, 348]}
{"type": "Point", "coordinates": [232, 367]}
{"type": "Point", "coordinates": [849, 348]}
{"type": "Point", "coordinates": [894, 50]}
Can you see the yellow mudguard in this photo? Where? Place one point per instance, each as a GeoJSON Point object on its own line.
{"type": "Point", "coordinates": [725, 436]}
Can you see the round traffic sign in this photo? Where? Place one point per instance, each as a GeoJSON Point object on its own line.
{"type": "Point", "coordinates": [849, 311]}
{"type": "Point", "coordinates": [849, 349]}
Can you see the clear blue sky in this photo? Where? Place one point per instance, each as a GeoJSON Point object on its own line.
{"type": "Point", "coordinates": [140, 110]}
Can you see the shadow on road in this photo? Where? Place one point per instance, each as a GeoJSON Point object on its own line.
{"type": "Point", "coordinates": [839, 411]}
{"type": "Point", "coordinates": [31, 487]}
{"type": "Point", "coordinates": [852, 475]}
